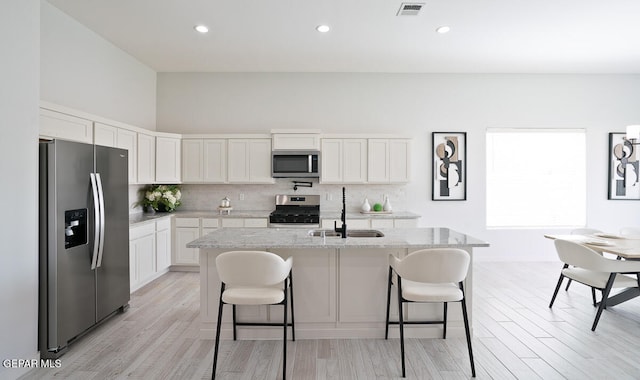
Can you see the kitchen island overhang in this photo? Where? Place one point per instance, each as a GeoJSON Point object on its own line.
{"type": "Point", "coordinates": [340, 285]}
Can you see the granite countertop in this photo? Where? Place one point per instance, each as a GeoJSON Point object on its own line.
{"type": "Point", "coordinates": [140, 218]}
{"type": "Point", "coordinates": [215, 214]}
{"type": "Point", "coordinates": [264, 238]}
{"type": "Point", "coordinates": [370, 215]}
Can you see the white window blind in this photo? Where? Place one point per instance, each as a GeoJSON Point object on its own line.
{"type": "Point", "coordinates": [536, 178]}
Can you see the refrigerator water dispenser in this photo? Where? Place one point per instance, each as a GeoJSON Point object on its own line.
{"type": "Point", "coordinates": [75, 228]}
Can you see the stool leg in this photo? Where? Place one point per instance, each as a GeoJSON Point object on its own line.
{"type": "Point", "coordinates": [444, 333]}
{"type": "Point", "coordinates": [284, 344]}
{"type": "Point", "coordinates": [466, 330]}
{"type": "Point", "coordinates": [234, 322]}
{"type": "Point", "coordinates": [215, 351]}
{"type": "Point", "coordinates": [399, 284]}
{"type": "Point", "coordinates": [386, 328]}
{"type": "Point", "coordinates": [293, 323]}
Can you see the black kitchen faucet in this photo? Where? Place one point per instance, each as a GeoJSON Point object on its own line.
{"type": "Point", "coordinates": [342, 230]}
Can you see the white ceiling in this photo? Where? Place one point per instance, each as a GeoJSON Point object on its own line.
{"type": "Point", "coordinates": [487, 36]}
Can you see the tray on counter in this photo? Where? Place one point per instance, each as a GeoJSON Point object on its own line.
{"type": "Point", "coordinates": [376, 212]}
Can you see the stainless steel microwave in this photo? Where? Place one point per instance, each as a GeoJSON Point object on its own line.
{"type": "Point", "coordinates": [295, 164]}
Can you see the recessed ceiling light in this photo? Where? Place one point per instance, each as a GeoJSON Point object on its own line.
{"type": "Point", "coordinates": [323, 28]}
{"type": "Point", "coordinates": [201, 28]}
{"type": "Point", "coordinates": [443, 29]}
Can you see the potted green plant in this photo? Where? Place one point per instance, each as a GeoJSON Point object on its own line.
{"type": "Point", "coordinates": [163, 198]}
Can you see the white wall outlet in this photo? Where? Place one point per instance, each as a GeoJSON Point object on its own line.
{"type": "Point", "coordinates": [329, 197]}
{"type": "Point", "coordinates": [242, 196]}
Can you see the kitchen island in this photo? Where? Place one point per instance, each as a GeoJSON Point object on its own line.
{"type": "Point", "coordinates": [340, 285]}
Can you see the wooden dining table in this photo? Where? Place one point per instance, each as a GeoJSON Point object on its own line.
{"type": "Point", "coordinates": [624, 247]}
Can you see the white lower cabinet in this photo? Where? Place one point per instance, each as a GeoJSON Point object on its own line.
{"type": "Point", "coordinates": [245, 222]}
{"type": "Point", "coordinates": [382, 223]}
{"type": "Point", "coordinates": [405, 223]}
{"type": "Point", "coordinates": [149, 252]}
{"type": "Point", "coordinates": [314, 285]}
{"type": "Point", "coordinates": [208, 225]}
{"type": "Point", "coordinates": [363, 224]}
{"type": "Point", "coordinates": [163, 244]}
{"type": "Point", "coordinates": [352, 224]}
{"type": "Point", "coordinates": [190, 229]}
{"type": "Point", "coordinates": [187, 230]}
{"type": "Point", "coordinates": [146, 258]}
{"type": "Point", "coordinates": [363, 275]}
{"type": "Point", "coordinates": [233, 223]}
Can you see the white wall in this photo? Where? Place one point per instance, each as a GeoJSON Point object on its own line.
{"type": "Point", "coordinates": [19, 72]}
{"type": "Point", "coordinates": [416, 105]}
{"type": "Point", "coordinates": [83, 71]}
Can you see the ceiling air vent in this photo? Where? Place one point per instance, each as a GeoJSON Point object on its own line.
{"type": "Point", "coordinates": [409, 9]}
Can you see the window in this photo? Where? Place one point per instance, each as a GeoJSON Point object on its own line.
{"type": "Point", "coordinates": [536, 178]}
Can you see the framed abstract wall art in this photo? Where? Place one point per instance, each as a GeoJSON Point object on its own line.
{"type": "Point", "coordinates": [449, 174]}
{"type": "Point", "coordinates": [623, 168]}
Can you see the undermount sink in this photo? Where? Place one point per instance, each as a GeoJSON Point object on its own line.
{"type": "Point", "coordinates": [350, 233]}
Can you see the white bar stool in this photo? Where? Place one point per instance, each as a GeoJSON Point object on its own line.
{"type": "Point", "coordinates": [255, 278]}
{"type": "Point", "coordinates": [429, 275]}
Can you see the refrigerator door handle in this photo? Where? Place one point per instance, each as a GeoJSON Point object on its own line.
{"type": "Point", "coordinates": [96, 221]}
{"type": "Point", "coordinates": [101, 195]}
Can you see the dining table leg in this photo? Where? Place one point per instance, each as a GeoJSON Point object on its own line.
{"type": "Point", "coordinates": [623, 296]}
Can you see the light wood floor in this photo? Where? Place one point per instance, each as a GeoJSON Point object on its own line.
{"type": "Point", "coordinates": [516, 337]}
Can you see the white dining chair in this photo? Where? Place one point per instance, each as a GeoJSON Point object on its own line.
{"type": "Point", "coordinates": [588, 267]}
{"type": "Point", "coordinates": [428, 276]}
{"type": "Point", "coordinates": [255, 278]}
{"type": "Point", "coordinates": [584, 231]}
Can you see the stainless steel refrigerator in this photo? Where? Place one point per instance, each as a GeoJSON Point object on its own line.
{"type": "Point", "coordinates": [84, 240]}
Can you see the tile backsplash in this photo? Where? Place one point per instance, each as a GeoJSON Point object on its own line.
{"type": "Point", "coordinates": [262, 197]}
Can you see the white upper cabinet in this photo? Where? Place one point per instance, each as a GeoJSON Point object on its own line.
{"type": "Point", "coordinates": [344, 161]}
{"type": "Point", "coordinates": [296, 141]}
{"type": "Point", "coordinates": [115, 137]}
{"type": "Point", "coordinates": [204, 160]}
{"type": "Point", "coordinates": [399, 160]}
{"type": "Point", "coordinates": [331, 167]}
{"type": "Point", "coordinates": [388, 160]}
{"type": "Point", "coordinates": [129, 140]}
{"type": "Point", "coordinates": [192, 161]}
{"type": "Point", "coordinates": [249, 161]}
{"type": "Point", "coordinates": [215, 161]}
{"type": "Point", "coordinates": [146, 158]}
{"type": "Point", "coordinates": [168, 159]}
{"type": "Point", "coordinates": [59, 125]}
{"type": "Point", "coordinates": [105, 135]}
{"type": "Point", "coordinates": [378, 162]}
{"type": "Point", "coordinates": [354, 156]}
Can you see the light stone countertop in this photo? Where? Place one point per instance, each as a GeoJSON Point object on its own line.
{"type": "Point", "coordinates": [141, 218]}
{"type": "Point", "coordinates": [265, 238]}
{"type": "Point", "coordinates": [215, 214]}
{"type": "Point", "coordinates": [371, 215]}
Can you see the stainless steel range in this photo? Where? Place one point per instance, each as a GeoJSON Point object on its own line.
{"type": "Point", "coordinates": [296, 211]}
